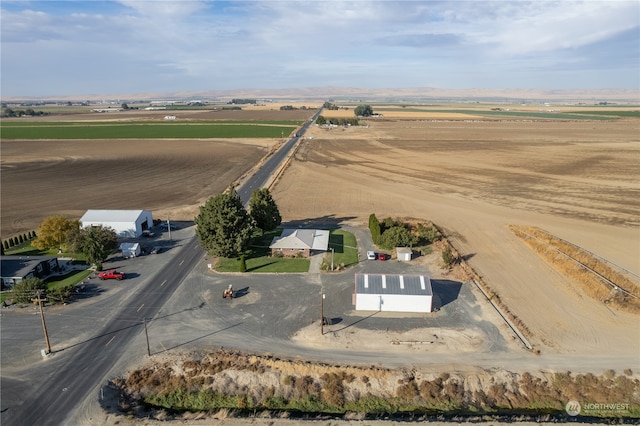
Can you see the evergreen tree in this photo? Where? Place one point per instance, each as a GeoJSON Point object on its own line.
{"type": "Point", "coordinates": [223, 226]}
{"type": "Point", "coordinates": [264, 210]}
{"type": "Point", "coordinates": [374, 228]}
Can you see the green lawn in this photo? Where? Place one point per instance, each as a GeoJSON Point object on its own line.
{"type": "Point", "coordinates": [345, 248]}
{"type": "Point", "coordinates": [26, 249]}
{"type": "Point", "coordinates": [72, 278]}
{"type": "Point", "coordinates": [258, 258]}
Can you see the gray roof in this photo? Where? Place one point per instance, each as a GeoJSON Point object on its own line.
{"type": "Point", "coordinates": [313, 239]}
{"type": "Point", "coordinates": [417, 285]}
{"type": "Point", "coordinates": [96, 216]}
{"type": "Point", "coordinates": [20, 266]}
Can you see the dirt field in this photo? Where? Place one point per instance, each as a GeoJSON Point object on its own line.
{"type": "Point", "coordinates": [577, 180]}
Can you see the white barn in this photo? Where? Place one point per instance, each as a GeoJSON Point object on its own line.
{"type": "Point", "coordinates": [126, 223]}
{"type": "Point", "coordinates": [393, 293]}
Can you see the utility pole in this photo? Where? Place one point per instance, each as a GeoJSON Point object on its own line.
{"type": "Point", "coordinates": [169, 227]}
{"type": "Point", "coordinates": [332, 252]}
{"type": "Point", "coordinates": [147, 335]}
{"type": "Point", "coordinates": [322, 313]}
{"type": "Point", "coordinates": [44, 324]}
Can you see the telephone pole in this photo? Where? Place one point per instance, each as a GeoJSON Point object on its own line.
{"type": "Point", "coordinates": [44, 324]}
{"type": "Point", "coordinates": [147, 334]}
{"type": "Point", "coordinates": [322, 314]}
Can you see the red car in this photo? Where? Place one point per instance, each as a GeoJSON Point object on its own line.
{"type": "Point", "coordinates": [111, 274]}
{"type": "Point", "coordinates": [382, 256]}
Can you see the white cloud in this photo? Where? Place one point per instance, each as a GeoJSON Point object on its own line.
{"type": "Point", "coordinates": [237, 44]}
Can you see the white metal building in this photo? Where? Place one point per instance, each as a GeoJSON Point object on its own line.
{"type": "Point", "coordinates": [126, 223]}
{"type": "Point", "coordinates": [393, 293]}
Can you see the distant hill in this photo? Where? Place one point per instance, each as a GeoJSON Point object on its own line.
{"type": "Point", "coordinates": [358, 94]}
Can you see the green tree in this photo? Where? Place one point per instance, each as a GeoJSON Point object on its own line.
{"type": "Point", "coordinates": [363, 111]}
{"type": "Point", "coordinates": [54, 232]}
{"type": "Point", "coordinates": [26, 289]}
{"type": "Point", "coordinates": [96, 243]}
{"type": "Point", "coordinates": [243, 264]}
{"type": "Point", "coordinates": [223, 226]}
{"type": "Point", "coordinates": [397, 236]}
{"type": "Point", "coordinates": [321, 120]}
{"type": "Point", "coordinates": [264, 210]}
{"type": "Point", "coordinates": [374, 228]}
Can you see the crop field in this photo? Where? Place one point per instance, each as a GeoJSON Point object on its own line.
{"type": "Point", "coordinates": [66, 164]}
{"type": "Point", "coordinates": [145, 130]}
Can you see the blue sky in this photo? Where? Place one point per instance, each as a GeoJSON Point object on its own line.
{"type": "Point", "coordinates": [53, 48]}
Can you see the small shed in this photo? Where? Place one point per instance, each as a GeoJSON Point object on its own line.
{"type": "Point", "coordinates": [404, 253]}
{"type": "Point", "coordinates": [393, 293]}
{"type": "Point", "coordinates": [130, 250]}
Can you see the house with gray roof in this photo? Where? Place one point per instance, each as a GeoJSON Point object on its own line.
{"type": "Point", "coordinates": [296, 242]}
{"type": "Point", "coordinates": [14, 269]}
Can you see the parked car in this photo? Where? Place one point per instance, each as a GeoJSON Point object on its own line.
{"type": "Point", "coordinates": [165, 227]}
{"type": "Point", "coordinates": [382, 256]}
{"type": "Point", "coordinates": [371, 255]}
{"type": "Point", "coordinates": [148, 234]}
{"type": "Point", "coordinates": [111, 274]}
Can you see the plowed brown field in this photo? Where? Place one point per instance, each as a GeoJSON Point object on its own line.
{"type": "Point", "coordinates": [577, 180]}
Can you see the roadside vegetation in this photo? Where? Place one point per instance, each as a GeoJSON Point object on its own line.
{"type": "Point", "coordinates": [244, 385]}
{"type": "Point", "coordinates": [594, 275]}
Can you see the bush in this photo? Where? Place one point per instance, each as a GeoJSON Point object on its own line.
{"type": "Point", "coordinates": [448, 257]}
{"type": "Point", "coordinates": [5, 244]}
{"type": "Point", "coordinates": [25, 290]}
{"type": "Point", "coordinates": [397, 236]}
{"type": "Point", "coordinates": [243, 264]}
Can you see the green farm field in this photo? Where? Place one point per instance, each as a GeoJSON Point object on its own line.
{"type": "Point", "coordinates": [145, 130]}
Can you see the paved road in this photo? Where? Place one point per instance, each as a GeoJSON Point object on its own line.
{"type": "Point", "coordinates": [261, 176]}
{"type": "Point", "coordinates": [76, 374]}
{"type": "Point", "coordinates": [67, 379]}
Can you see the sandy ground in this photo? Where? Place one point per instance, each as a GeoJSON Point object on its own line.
{"type": "Point", "coordinates": [577, 180]}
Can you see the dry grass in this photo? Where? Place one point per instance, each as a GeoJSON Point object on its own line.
{"type": "Point", "coordinates": [593, 275]}
{"type": "Point", "coordinates": [220, 379]}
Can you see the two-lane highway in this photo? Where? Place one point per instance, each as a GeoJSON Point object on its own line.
{"type": "Point", "coordinates": [68, 379]}
{"type": "Point", "coordinates": [81, 373]}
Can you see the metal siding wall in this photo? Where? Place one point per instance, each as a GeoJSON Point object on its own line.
{"type": "Point", "coordinates": [393, 303]}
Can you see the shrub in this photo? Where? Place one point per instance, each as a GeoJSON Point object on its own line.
{"type": "Point", "coordinates": [448, 257]}
{"type": "Point", "coordinates": [5, 244]}
{"type": "Point", "coordinates": [25, 290]}
{"type": "Point", "coordinates": [243, 264]}
{"type": "Point", "coordinates": [396, 236]}
{"type": "Point", "coordinates": [374, 228]}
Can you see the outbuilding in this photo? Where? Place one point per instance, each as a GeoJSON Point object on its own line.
{"type": "Point", "coordinates": [126, 223]}
{"type": "Point", "coordinates": [404, 253]}
{"type": "Point", "coordinates": [393, 293]}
